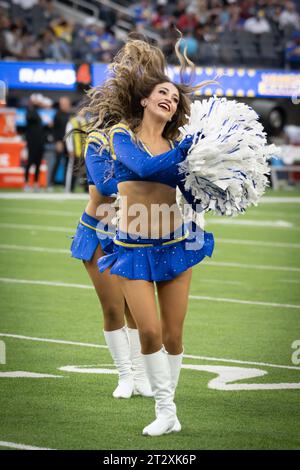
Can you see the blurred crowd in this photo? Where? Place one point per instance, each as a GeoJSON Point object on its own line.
{"type": "Point", "coordinates": [215, 31]}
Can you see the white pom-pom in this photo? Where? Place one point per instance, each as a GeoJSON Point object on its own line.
{"type": "Point", "coordinates": [226, 167]}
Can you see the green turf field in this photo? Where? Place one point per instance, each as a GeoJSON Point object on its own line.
{"type": "Point", "coordinates": [240, 386]}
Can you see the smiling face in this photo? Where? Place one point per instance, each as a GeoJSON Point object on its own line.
{"type": "Point", "coordinates": [162, 102]}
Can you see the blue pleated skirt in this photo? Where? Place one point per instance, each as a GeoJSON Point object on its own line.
{"type": "Point", "coordinates": [89, 234]}
{"type": "Point", "coordinates": [158, 259]}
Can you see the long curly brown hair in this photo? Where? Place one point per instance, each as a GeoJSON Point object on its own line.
{"type": "Point", "coordinates": [135, 71]}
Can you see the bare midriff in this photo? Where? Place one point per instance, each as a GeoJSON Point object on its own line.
{"type": "Point", "coordinates": [152, 204]}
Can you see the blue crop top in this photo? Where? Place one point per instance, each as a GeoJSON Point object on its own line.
{"type": "Point", "coordinates": [132, 163]}
{"type": "Point", "coordinates": [99, 166]}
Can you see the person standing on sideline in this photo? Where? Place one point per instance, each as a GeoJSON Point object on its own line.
{"type": "Point", "coordinates": [35, 138]}
{"type": "Point", "coordinates": [59, 129]}
{"type": "Point", "coordinates": [74, 145]}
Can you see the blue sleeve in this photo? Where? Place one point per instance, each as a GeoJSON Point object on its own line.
{"type": "Point", "coordinates": [140, 162]}
{"type": "Point", "coordinates": [190, 199]}
{"type": "Point", "coordinates": [99, 168]}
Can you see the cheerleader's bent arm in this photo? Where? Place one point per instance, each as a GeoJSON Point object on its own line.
{"type": "Point", "coordinates": [138, 161]}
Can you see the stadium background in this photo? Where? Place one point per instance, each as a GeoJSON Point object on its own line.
{"type": "Point", "coordinates": [240, 384]}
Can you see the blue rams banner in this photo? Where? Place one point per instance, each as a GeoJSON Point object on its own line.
{"type": "Point", "coordinates": [38, 75]}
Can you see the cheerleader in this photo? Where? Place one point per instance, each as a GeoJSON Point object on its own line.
{"type": "Point", "coordinates": [154, 250]}
{"type": "Point", "coordinates": [94, 234]}
{"type": "Point", "coordinates": [92, 240]}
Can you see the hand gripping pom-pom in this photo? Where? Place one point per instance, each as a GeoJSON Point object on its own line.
{"type": "Point", "coordinates": [226, 167]}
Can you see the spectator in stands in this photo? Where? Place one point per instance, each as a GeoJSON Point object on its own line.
{"type": "Point", "coordinates": [90, 33]}
{"type": "Point", "coordinates": [107, 44]}
{"type": "Point", "coordinates": [35, 139]}
{"type": "Point", "coordinates": [49, 10]}
{"type": "Point", "coordinates": [62, 29]}
{"type": "Point", "coordinates": [247, 9]}
{"type": "Point", "coordinates": [107, 16]}
{"type": "Point", "coordinates": [42, 14]}
{"type": "Point", "coordinates": [160, 19]}
{"type": "Point", "coordinates": [59, 129]}
{"type": "Point", "coordinates": [169, 38]}
{"type": "Point", "coordinates": [191, 45]}
{"type": "Point", "coordinates": [13, 41]}
{"type": "Point", "coordinates": [81, 49]}
{"type": "Point", "coordinates": [179, 9]}
{"type": "Point", "coordinates": [142, 12]}
{"type": "Point", "coordinates": [293, 51]}
{"type": "Point", "coordinates": [31, 47]}
{"type": "Point", "coordinates": [289, 16]}
{"type": "Point", "coordinates": [258, 24]}
{"type": "Point", "coordinates": [4, 29]}
{"type": "Point", "coordinates": [188, 20]}
{"type": "Point", "coordinates": [54, 48]}
{"type": "Point", "coordinates": [235, 21]}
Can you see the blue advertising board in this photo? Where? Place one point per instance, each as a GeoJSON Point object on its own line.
{"type": "Point", "coordinates": [38, 75]}
{"type": "Point", "coordinates": [235, 82]}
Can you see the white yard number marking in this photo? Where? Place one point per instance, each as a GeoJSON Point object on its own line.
{"type": "Point", "coordinates": [225, 376]}
{"type": "Point", "coordinates": [296, 354]}
{"type": "Point", "coordinates": [2, 353]}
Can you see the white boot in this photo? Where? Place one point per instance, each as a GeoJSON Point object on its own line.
{"type": "Point", "coordinates": [158, 371]}
{"type": "Point", "coordinates": [118, 345]}
{"type": "Point", "coordinates": [141, 382]}
{"type": "Point", "coordinates": [175, 362]}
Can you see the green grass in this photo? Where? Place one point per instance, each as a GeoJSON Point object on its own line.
{"type": "Point", "coordinates": [77, 411]}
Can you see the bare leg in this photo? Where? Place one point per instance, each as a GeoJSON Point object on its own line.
{"type": "Point", "coordinates": [124, 344]}
{"type": "Point", "coordinates": [141, 382]}
{"type": "Point", "coordinates": [173, 302]}
{"type": "Point", "coordinates": [140, 297]}
{"type": "Point", "coordinates": [113, 305]}
{"type": "Point", "coordinates": [109, 293]}
{"type": "Point", "coordinates": [129, 318]}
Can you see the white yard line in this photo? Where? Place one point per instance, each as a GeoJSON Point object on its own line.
{"type": "Point", "coordinates": [45, 228]}
{"type": "Point", "coordinates": [246, 302]}
{"type": "Point", "coordinates": [45, 283]}
{"type": "Point", "coordinates": [58, 197]}
{"type": "Point", "coordinates": [62, 213]}
{"type": "Point", "coordinates": [252, 266]}
{"type": "Point", "coordinates": [193, 297]}
{"type": "Point", "coordinates": [261, 243]}
{"type": "Point", "coordinates": [188, 356]}
{"type": "Point", "coordinates": [15, 445]}
{"type": "Point", "coordinates": [249, 222]}
{"type": "Point", "coordinates": [38, 249]}
{"type": "Point", "coordinates": [279, 200]}
{"type": "Point", "coordinates": [221, 281]}
{"type": "Point", "coordinates": [57, 341]}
